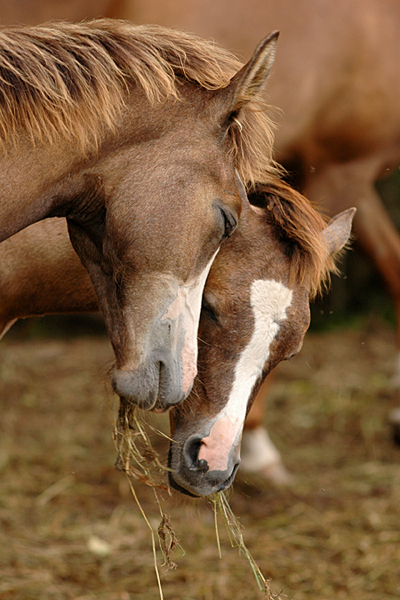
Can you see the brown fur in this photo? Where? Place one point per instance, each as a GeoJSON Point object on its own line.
{"type": "Point", "coordinates": [40, 273]}
{"type": "Point", "coordinates": [71, 80]}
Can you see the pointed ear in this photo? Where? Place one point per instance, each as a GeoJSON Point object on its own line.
{"type": "Point", "coordinates": [247, 84]}
{"type": "Point", "coordinates": [337, 232]}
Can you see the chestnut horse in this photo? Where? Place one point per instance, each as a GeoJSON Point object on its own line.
{"type": "Point", "coordinates": [134, 135]}
{"type": "Point", "coordinates": [255, 314]}
{"type": "Point", "coordinates": [336, 84]}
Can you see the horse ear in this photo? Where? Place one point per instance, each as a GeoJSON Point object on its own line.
{"type": "Point", "coordinates": [337, 232]}
{"type": "Point", "coordinates": [247, 84]}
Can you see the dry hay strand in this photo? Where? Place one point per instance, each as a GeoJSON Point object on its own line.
{"type": "Point", "coordinates": [139, 460]}
{"type": "Point", "coordinates": [235, 535]}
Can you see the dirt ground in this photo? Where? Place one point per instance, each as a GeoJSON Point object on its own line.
{"type": "Point", "coordinates": [70, 528]}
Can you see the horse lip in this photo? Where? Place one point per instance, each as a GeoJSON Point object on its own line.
{"type": "Point", "coordinates": [213, 488]}
{"type": "Point", "coordinates": [225, 484]}
{"type": "Point", "coordinates": [179, 488]}
{"type": "Point", "coordinates": [155, 398]}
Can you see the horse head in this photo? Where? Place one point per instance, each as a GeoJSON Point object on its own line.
{"type": "Point", "coordinates": [255, 314]}
{"type": "Point", "coordinates": [171, 196]}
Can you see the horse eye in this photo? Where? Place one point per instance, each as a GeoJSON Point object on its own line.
{"type": "Point", "coordinates": [230, 223]}
{"type": "Point", "coordinates": [208, 310]}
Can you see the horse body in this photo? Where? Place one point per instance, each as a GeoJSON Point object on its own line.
{"type": "Point", "coordinates": [41, 274]}
{"type": "Point", "coordinates": [255, 314]}
{"type": "Point", "coordinates": [32, 13]}
{"type": "Point", "coordinates": [129, 134]}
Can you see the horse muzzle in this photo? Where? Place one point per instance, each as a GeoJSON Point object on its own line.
{"type": "Point", "coordinates": [157, 385]}
{"type": "Point", "coordinates": [192, 475]}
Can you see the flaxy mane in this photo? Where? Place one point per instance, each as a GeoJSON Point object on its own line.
{"type": "Point", "coordinates": [72, 81]}
{"type": "Point", "coordinates": [300, 226]}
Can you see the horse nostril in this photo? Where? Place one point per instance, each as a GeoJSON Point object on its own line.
{"type": "Point", "coordinates": [191, 454]}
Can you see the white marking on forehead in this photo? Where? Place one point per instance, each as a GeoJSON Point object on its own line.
{"type": "Point", "coordinates": [184, 311]}
{"type": "Point", "coordinates": [269, 299]}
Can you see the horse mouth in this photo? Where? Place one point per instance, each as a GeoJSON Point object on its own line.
{"type": "Point", "coordinates": [215, 490]}
{"type": "Point", "coordinates": [179, 488]}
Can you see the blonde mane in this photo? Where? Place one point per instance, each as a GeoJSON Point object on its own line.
{"type": "Point", "coordinates": [72, 80]}
{"type": "Point", "coordinates": [300, 227]}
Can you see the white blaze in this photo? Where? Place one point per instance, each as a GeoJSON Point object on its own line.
{"type": "Point", "coordinates": [185, 311]}
{"type": "Point", "coordinates": [269, 299]}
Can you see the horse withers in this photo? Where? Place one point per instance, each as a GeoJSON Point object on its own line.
{"type": "Point", "coordinates": [255, 314]}
{"type": "Point", "coordinates": [133, 134]}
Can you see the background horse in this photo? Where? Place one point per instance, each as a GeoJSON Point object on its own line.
{"type": "Point", "coordinates": [255, 314]}
{"type": "Point", "coordinates": [133, 135]}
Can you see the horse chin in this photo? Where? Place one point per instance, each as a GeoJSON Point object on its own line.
{"type": "Point", "coordinates": [179, 488]}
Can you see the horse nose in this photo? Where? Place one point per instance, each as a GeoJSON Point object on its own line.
{"type": "Point", "coordinates": [206, 481]}
{"type": "Point", "coordinates": [141, 390]}
{"type": "Point", "coordinates": [191, 450]}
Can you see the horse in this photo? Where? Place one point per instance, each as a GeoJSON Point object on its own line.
{"type": "Point", "coordinates": [138, 136]}
{"type": "Point", "coordinates": [255, 313]}
{"type": "Point", "coordinates": [335, 85]}
{"type": "Point", "coordinates": [40, 11]}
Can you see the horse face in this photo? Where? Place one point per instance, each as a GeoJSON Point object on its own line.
{"type": "Point", "coordinates": [165, 270]}
{"type": "Point", "coordinates": [171, 196]}
{"type": "Point", "coordinates": [251, 320]}
{"type": "Point", "coordinates": [240, 340]}
{"type": "Point", "coordinates": [169, 205]}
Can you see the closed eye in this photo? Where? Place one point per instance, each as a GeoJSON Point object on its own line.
{"type": "Point", "coordinates": [230, 222]}
{"type": "Point", "coordinates": [208, 310]}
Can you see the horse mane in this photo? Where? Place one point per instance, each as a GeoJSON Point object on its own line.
{"type": "Point", "coordinates": [71, 81]}
{"type": "Point", "coordinates": [299, 226]}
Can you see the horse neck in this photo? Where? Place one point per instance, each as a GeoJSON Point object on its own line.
{"type": "Point", "coordinates": [41, 274]}
{"type": "Point", "coordinates": [31, 177]}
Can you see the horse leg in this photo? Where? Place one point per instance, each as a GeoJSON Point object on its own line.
{"type": "Point", "coordinates": [352, 184]}
{"type": "Point", "coordinates": [258, 452]}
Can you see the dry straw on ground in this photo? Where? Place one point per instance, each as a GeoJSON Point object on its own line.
{"type": "Point", "coordinates": [70, 530]}
{"type": "Point", "coordinates": [140, 461]}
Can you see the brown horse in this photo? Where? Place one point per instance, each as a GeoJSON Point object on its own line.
{"type": "Point", "coordinates": [336, 84]}
{"type": "Point", "coordinates": [39, 11]}
{"type": "Point", "coordinates": [255, 314]}
{"type": "Point", "coordinates": [133, 134]}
